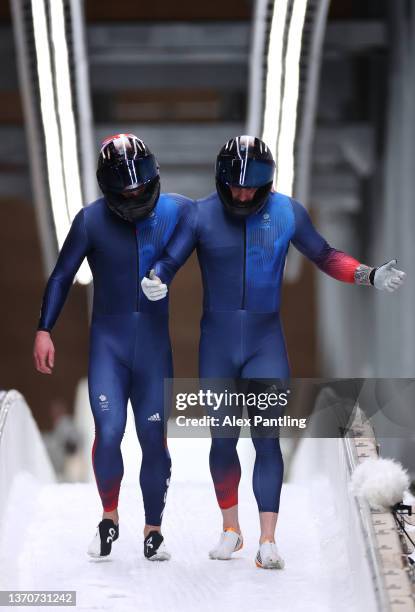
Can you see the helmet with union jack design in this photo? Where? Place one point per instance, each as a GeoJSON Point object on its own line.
{"type": "Point", "coordinates": [128, 175]}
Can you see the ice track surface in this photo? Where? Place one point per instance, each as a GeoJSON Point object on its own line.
{"type": "Point", "coordinates": [49, 528]}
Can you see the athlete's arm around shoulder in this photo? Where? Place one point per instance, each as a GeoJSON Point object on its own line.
{"type": "Point", "coordinates": [74, 249]}
{"type": "Point", "coordinates": [336, 263]}
{"type": "Point", "coordinates": [181, 244]}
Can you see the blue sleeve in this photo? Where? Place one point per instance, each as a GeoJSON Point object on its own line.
{"type": "Point", "coordinates": [73, 251]}
{"type": "Point", "coordinates": [310, 243]}
{"type": "Point", "coordinates": [180, 245]}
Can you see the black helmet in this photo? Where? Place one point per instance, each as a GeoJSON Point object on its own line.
{"type": "Point", "coordinates": [244, 161]}
{"type": "Point", "coordinates": [128, 175]}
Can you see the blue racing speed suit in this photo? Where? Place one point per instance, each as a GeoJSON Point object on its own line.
{"type": "Point", "coordinates": [130, 351]}
{"type": "Point", "coordinates": [242, 263]}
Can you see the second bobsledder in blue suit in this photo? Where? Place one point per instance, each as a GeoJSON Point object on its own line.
{"type": "Point", "coordinates": [242, 233]}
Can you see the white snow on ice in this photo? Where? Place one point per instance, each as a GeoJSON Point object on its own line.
{"type": "Point", "coordinates": [49, 528]}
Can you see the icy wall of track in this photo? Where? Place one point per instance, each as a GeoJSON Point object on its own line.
{"type": "Point", "coordinates": [320, 466]}
{"type": "Point", "coordinates": [22, 452]}
{"type": "Point", "coordinates": [47, 528]}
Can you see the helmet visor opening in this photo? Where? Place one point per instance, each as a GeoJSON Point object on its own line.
{"type": "Point", "coordinates": [127, 174]}
{"type": "Point", "coordinates": [245, 172]}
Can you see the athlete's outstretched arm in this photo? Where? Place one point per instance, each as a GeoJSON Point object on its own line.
{"type": "Point", "coordinates": [73, 251]}
{"type": "Point", "coordinates": [336, 263]}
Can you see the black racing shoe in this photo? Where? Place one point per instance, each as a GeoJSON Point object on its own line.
{"type": "Point", "coordinates": [154, 547]}
{"type": "Point", "coordinates": [106, 534]}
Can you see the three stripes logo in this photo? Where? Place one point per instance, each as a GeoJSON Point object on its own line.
{"type": "Point", "coordinates": [154, 417]}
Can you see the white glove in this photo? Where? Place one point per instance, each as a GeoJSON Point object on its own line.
{"type": "Point", "coordinates": [153, 288]}
{"type": "Point", "coordinates": [389, 278]}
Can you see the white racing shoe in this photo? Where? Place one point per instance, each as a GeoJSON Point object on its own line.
{"type": "Point", "coordinates": [230, 541]}
{"type": "Point", "coordinates": [155, 548]}
{"type": "Point", "coordinates": [101, 544]}
{"type": "Point", "coordinates": [268, 556]}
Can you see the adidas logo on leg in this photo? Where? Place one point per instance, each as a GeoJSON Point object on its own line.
{"type": "Point", "coordinates": [154, 417]}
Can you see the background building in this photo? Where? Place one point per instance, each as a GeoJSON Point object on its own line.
{"type": "Point", "coordinates": [185, 77]}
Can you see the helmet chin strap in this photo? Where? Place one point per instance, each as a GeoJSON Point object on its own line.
{"type": "Point", "coordinates": [129, 210]}
{"type": "Point", "coordinates": [253, 206]}
{"type": "Point", "coordinates": [240, 204]}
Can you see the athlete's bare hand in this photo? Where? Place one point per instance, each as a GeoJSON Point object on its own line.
{"type": "Point", "coordinates": [44, 352]}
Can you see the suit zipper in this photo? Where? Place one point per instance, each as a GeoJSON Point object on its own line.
{"type": "Point", "coordinates": [244, 269]}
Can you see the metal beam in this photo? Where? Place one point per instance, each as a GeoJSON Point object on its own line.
{"type": "Point", "coordinates": [164, 76]}
{"type": "Point", "coordinates": [199, 50]}
{"type": "Point", "coordinates": [355, 36]}
{"type": "Point", "coordinates": [183, 146]}
{"type": "Point", "coordinates": [179, 144]}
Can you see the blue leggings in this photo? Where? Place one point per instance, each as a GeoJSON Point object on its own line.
{"type": "Point", "coordinates": [243, 344]}
{"type": "Point", "coordinates": [130, 355]}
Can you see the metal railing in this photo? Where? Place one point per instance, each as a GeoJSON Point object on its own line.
{"type": "Point", "coordinates": [385, 557]}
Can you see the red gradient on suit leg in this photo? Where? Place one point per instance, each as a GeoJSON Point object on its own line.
{"type": "Point", "coordinates": [108, 490]}
{"type": "Point", "coordinates": [226, 488]}
{"type": "Point", "coordinates": [110, 494]}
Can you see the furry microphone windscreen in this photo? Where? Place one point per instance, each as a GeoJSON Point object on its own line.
{"type": "Point", "coordinates": [382, 482]}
